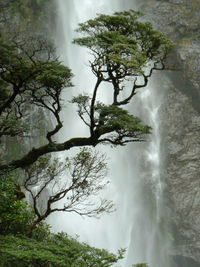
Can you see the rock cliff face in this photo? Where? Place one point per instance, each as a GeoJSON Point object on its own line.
{"type": "Point", "coordinates": [180, 19]}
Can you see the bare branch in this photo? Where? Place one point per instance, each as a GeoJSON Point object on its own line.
{"type": "Point", "coordinates": [82, 179]}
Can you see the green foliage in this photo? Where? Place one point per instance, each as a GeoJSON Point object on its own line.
{"type": "Point", "coordinates": [111, 119]}
{"type": "Point", "coordinates": [57, 250]}
{"type": "Point", "coordinates": [12, 126]}
{"type": "Point", "coordinates": [29, 75]}
{"type": "Point", "coordinates": [44, 248]}
{"type": "Point", "coordinates": [16, 215]}
{"type": "Point", "coordinates": [115, 119]}
{"type": "Point", "coordinates": [123, 42]}
{"type": "Point", "coordinates": [53, 76]}
{"type": "Point", "coordinates": [42, 231]}
{"type": "Point", "coordinates": [125, 53]}
{"type": "Point", "coordinates": [29, 70]}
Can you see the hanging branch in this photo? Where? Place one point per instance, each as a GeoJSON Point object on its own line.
{"type": "Point", "coordinates": [83, 178]}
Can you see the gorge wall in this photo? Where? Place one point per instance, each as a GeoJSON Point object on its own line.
{"type": "Point", "coordinates": [180, 20]}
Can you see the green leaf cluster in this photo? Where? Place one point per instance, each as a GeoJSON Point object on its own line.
{"type": "Point", "coordinates": [22, 69]}
{"type": "Point", "coordinates": [54, 75]}
{"type": "Point", "coordinates": [118, 121]}
{"type": "Point", "coordinates": [114, 118]}
{"type": "Point", "coordinates": [16, 215]}
{"type": "Point", "coordinates": [56, 251]}
{"type": "Point", "coordinates": [123, 41]}
{"type": "Point", "coordinates": [12, 126]}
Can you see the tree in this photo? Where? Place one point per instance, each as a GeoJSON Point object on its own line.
{"type": "Point", "coordinates": [83, 179]}
{"type": "Point", "coordinates": [123, 49]}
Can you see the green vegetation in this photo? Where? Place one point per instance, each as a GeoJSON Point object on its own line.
{"type": "Point", "coordinates": [15, 214]}
{"type": "Point", "coordinates": [123, 48]}
{"type": "Point", "coordinates": [56, 250]}
{"type": "Point", "coordinates": [44, 248]}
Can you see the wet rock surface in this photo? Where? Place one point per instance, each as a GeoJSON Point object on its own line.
{"type": "Point", "coordinates": [180, 20]}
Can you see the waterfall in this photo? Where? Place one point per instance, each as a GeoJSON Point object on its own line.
{"type": "Point", "coordinates": [149, 239]}
{"type": "Point", "coordinates": [135, 171]}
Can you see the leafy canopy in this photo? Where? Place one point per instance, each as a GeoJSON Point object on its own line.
{"type": "Point", "coordinates": [122, 45]}
{"type": "Point", "coordinates": [16, 215]}
{"type": "Point", "coordinates": [56, 251]}
{"type": "Point", "coordinates": [125, 52]}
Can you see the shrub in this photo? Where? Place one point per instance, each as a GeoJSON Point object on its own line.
{"type": "Point", "coordinates": [59, 250]}
{"type": "Point", "coordinates": [16, 214]}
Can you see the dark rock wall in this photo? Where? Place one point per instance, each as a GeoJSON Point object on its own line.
{"type": "Point", "coordinates": [180, 20]}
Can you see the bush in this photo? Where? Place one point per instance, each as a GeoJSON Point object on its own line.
{"type": "Point", "coordinates": [16, 214]}
{"type": "Point", "coordinates": [44, 248]}
{"type": "Point", "coordinates": [59, 250]}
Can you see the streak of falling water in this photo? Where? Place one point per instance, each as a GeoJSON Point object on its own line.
{"type": "Point", "coordinates": [135, 171]}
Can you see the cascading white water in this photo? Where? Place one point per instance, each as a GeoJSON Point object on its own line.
{"type": "Point", "coordinates": [136, 225]}
{"type": "Point", "coordinates": [149, 238]}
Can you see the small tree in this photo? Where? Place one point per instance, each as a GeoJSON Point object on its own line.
{"type": "Point", "coordinates": [82, 180]}
{"type": "Point", "coordinates": [123, 49]}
